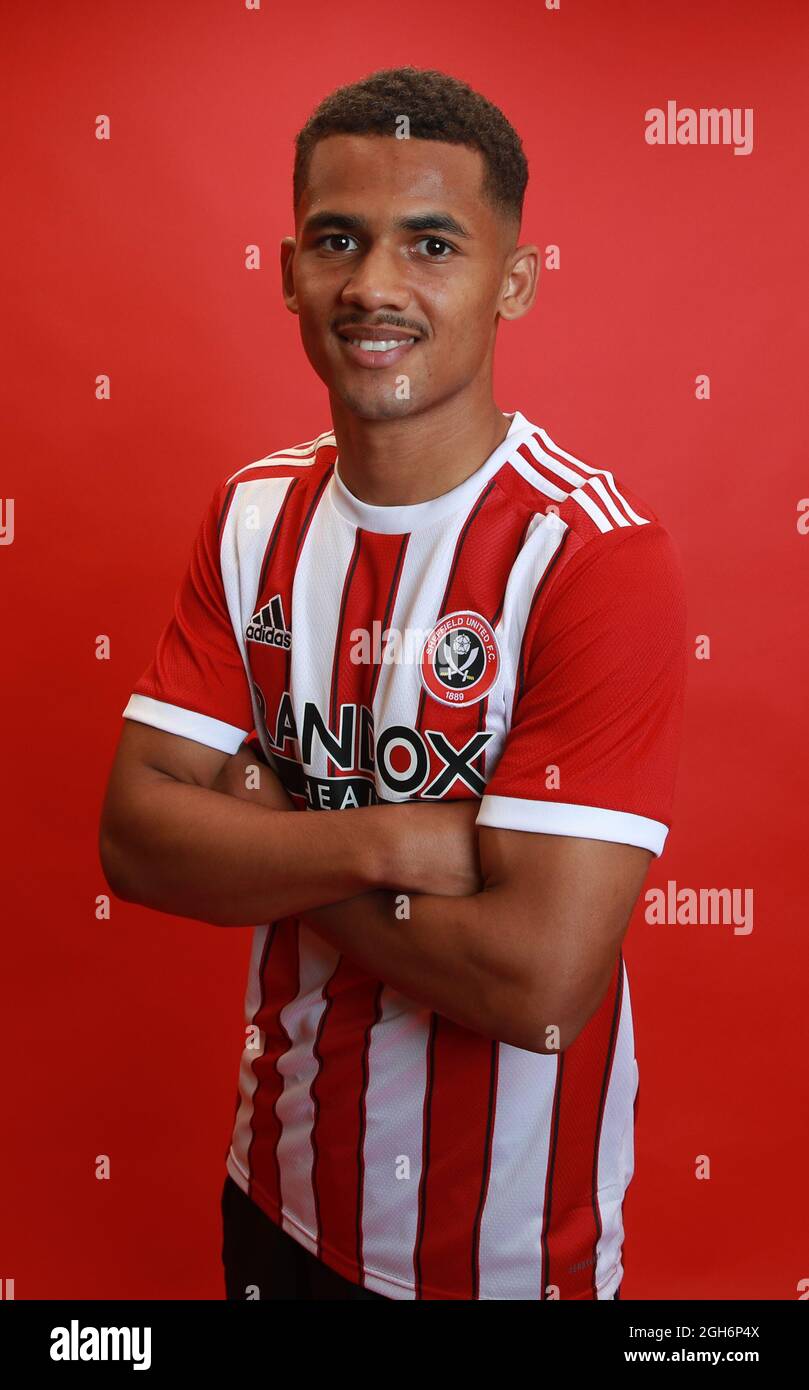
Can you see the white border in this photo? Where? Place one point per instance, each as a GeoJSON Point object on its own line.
{"type": "Point", "coordinates": [173, 719]}
{"type": "Point", "coordinates": [567, 818]}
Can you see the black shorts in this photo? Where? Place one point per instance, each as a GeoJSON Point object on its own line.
{"type": "Point", "coordinates": [257, 1253]}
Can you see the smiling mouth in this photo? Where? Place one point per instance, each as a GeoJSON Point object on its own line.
{"type": "Point", "coordinates": [377, 351]}
{"type": "Point", "coordinates": [372, 345]}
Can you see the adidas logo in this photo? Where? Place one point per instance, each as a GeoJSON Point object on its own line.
{"type": "Point", "coordinates": [268, 625]}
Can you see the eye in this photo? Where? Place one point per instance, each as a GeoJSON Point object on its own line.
{"type": "Point", "coordinates": [437, 241]}
{"type": "Point", "coordinates": [334, 236]}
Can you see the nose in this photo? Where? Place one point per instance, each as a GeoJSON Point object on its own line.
{"type": "Point", "coordinates": [378, 281]}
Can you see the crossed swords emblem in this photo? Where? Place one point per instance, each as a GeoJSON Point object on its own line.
{"type": "Point", "coordinates": [452, 668]}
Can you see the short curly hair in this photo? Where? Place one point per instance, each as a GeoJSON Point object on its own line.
{"type": "Point", "coordinates": [438, 107]}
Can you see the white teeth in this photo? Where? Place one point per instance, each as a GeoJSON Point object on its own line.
{"type": "Point", "coordinates": [371, 345]}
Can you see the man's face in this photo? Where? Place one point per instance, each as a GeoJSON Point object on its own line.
{"type": "Point", "coordinates": [357, 270]}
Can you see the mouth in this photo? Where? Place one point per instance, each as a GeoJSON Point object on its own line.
{"type": "Point", "coordinates": [376, 347]}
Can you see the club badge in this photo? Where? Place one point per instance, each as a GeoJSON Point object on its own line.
{"type": "Point", "coordinates": [460, 660]}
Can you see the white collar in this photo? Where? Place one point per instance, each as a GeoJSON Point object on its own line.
{"type": "Point", "coordinates": [399, 520]}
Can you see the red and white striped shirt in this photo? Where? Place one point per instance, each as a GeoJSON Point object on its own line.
{"type": "Point", "coordinates": [410, 1154]}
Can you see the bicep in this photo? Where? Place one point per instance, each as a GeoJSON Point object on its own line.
{"type": "Point", "coordinates": [144, 754]}
{"type": "Point", "coordinates": [566, 903]}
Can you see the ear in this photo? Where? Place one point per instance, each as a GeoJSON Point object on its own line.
{"type": "Point", "coordinates": [520, 283]}
{"type": "Point", "coordinates": [288, 245]}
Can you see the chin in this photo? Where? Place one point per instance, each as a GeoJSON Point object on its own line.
{"type": "Point", "coordinates": [377, 404]}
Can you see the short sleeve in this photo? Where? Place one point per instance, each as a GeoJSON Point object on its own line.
{"type": "Point", "coordinates": [593, 747]}
{"type": "Point", "coordinates": [196, 684]}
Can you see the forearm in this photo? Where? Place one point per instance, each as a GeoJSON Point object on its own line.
{"type": "Point", "coordinates": [193, 852]}
{"type": "Point", "coordinates": [454, 955]}
{"type": "Point", "coordinates": [442, 949]}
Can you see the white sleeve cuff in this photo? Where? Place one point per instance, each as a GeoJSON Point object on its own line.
{"type": "Point", "coordinates": [566, 818]}
{"type": "Point", "coordinates": [173, 719]}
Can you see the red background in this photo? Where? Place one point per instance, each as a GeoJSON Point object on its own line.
{"type": "Point", "coordinates": [126, 257]}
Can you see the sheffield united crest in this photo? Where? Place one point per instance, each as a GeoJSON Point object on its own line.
{"type": "Point", "coordinates": [460, 660]}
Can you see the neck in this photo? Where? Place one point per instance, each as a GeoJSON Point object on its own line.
{"type": "Point", "coordinates": [414, 458]}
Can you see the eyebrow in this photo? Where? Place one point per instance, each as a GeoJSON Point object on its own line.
{"type": "Point", "coordinates": [419, 222]}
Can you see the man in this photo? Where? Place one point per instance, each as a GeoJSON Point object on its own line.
{"type": "Point", "coordinates": [435, 619]}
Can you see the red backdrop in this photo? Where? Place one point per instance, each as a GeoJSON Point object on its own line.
{"type": "Point", "coordinates": [126, 257]}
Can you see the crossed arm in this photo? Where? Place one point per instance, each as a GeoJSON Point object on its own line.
{"type": "Point", "coordinates": [522, 951]}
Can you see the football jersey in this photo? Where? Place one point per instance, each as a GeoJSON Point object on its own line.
{"type": "Point", "coordinates": [519, 639]}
